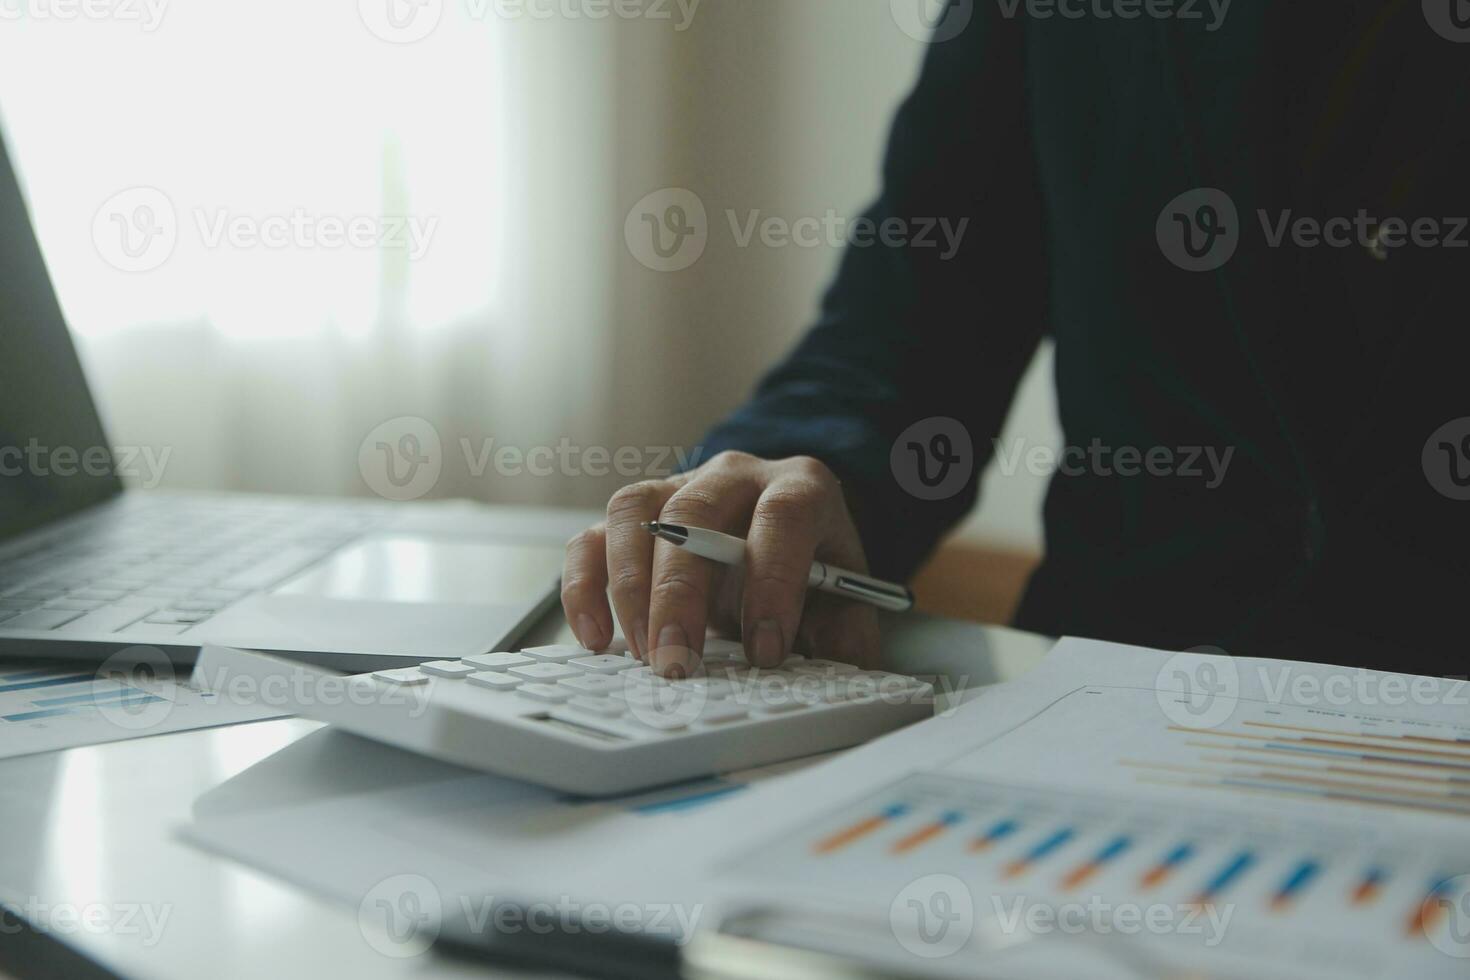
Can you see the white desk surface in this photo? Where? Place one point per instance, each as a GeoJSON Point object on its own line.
{"type": "Point", "coordinates": [96, 825]}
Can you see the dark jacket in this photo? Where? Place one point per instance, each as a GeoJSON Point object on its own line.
{"type": "Point", "coordinates": [1324, 371]}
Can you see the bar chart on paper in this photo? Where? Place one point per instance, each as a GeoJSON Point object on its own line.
{"type": "Point", "coordinates": [1336, 884]}
{"type": "Point", "coordinates": [1314, 830]}
{"type": "Point", "coordinates": [1117, 739]}
{"type": "Point", "coordinates": [46, 706]}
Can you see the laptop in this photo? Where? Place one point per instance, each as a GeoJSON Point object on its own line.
{"type": "Point", "coordinates": [88, 568]}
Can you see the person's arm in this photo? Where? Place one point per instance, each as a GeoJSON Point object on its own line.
{"type": "Point", "coordinates": [908, 332]}
{"type": "Point", "coordinates": [911, 333]}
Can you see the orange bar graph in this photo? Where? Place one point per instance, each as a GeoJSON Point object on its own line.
{"type": "Point", "coordinates": [928, 832]}
{"type": "Point", "coordinates": [859, 830]}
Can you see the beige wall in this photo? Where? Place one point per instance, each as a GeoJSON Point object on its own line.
{"type": "Point", "coordinates": [784, 107]}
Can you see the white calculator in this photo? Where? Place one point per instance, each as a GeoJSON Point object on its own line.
{"type": "Point", "coordinates": [598, 724]}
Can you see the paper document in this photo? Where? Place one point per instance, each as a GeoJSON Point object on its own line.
{"type": "Point", "coordinates": [1147, 812]}
{"type": "Point", "coordinates": [1114, 812]}
{"type": "Point", "coordinates": [49, 705]}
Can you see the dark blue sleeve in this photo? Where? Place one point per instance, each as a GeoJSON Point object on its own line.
{"type": "Point", "coordinates": [908, 333]}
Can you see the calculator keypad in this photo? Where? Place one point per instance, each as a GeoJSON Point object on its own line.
{"type": "Point", "coordinates": [613, 692]}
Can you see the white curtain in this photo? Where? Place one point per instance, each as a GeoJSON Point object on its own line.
{"type": "Point", "coordinates": [345, 229]}
{"type": "Point", "coordinates": [524, 140]}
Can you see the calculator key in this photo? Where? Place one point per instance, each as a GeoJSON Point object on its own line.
{"type": "Point", "coordinates": [494, 680]}
{"type": "Point", "coordinates": [777, 704]}
{"type": "Point", "coordinates": [556, 654]}
{"type": "Point", "coordinates": [546, 692]}
{"type": "Point", "coordinates": [602, 707]}
{"type": "Point", "coordinates": [403, 677]}
{"type": "Point", "coordinates": [447, 668]}
{"type": "Point", "coordinates": [593, 684]}
{"type": "Point", "coordinates": [713, 687]}
{"type": "Point", "coordinates": [643, 675]}
{"type": "Point", "coordinates": [543, 672]}
{"type": "Point", "coordinates": [823, 667]}
{"type": "Point", "coordinates": [724, 647]}
{"type": "Point", "coordinates": [721, 712]}
{"type": "Point", "coordinates": [498, 661]}
{"type": "Point", "coordinates": [602, 663]}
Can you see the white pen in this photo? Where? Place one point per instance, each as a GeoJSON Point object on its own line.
{"type": "Point", "coordinates": [730, 550]}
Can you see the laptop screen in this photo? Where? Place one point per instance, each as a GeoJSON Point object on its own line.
{"type": "Point", "coordinates": [54, 456]}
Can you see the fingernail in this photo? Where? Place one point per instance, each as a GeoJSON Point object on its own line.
{"type": "Point", "coordinates": [640, 639]}
{"type": "Point", "coordinates": [769, 646]}
{"type": "Point", "coordinates": [589, 634]}
{"type": "Point", "coordinates": [672, 656]}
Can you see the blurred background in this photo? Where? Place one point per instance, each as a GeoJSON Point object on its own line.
{"type": "Point", "coordinates": [490, 153]}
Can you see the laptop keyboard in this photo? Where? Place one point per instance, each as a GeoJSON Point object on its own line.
{"type": "Point", "coordinates": [160, 569]}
